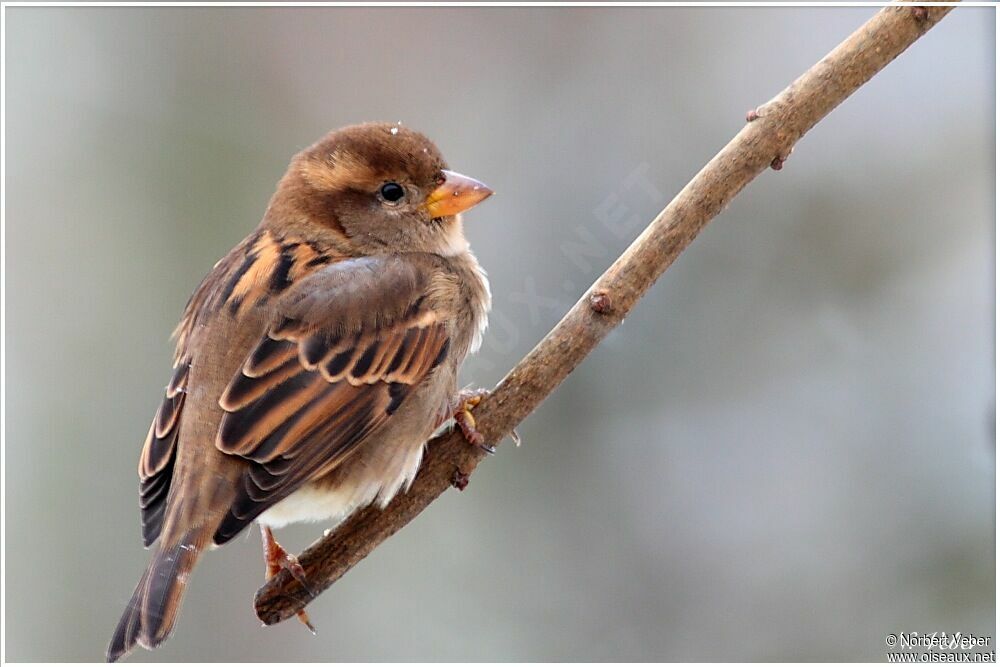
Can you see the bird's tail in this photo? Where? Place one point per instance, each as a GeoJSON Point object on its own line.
{"type": "Point", "coordinates": [151, 613]}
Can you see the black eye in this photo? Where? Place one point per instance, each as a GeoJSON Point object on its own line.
{"type": "Point", "coordinates": [392, 192]}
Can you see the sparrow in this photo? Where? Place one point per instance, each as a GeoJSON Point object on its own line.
{"type": "Point", "coordinates": [313, 362]}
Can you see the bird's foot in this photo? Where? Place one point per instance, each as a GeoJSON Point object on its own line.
{"type": "Point", "coordinates": [277, 559]}
{"type": "Point", "coordinates": [462, 412]}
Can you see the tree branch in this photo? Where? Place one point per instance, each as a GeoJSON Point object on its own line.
{"type": "Point", "coordinates": [766, 141]}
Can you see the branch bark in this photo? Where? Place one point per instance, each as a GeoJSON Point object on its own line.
{"type": "Point", "coordinates": [765, 141]}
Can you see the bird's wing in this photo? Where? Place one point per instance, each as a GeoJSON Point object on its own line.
{"type": "Point", "coordinates": [159, 451]}
{"type": "Point", "coordinates": [156, 463]}
{"type": "Point", "coordinates": [348, 345]}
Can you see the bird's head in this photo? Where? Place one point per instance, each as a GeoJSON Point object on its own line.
{"type": "Point", "coordinates": [385, 187]}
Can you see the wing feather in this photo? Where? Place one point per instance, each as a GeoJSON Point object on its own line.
{"type": "Point", "coordinates": [348, 345]}
{"type": "Point", "coordinates": [156, 463]}
{"type": "Point", "coordinates": [265, 265]}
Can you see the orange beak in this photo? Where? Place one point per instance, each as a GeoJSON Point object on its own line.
{"type": "Point", "coordinates": [458, 193]}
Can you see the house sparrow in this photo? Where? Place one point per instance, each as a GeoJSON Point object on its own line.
{"type": "Point", "coordinates": [313, 362]}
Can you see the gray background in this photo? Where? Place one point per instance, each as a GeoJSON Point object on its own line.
{"type": "Point", "coordinates": [786, 452]}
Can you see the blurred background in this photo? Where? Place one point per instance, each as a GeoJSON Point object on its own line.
{"type": "Point", "coordinates": [785, 453]}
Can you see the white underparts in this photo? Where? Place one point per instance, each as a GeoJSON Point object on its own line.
{"type": "Point", "coordinates": [334, 504]}
{"type": "Point", "coordinates": [481, 309]}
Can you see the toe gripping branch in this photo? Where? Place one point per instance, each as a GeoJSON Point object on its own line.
{"type": "Point", "coordinates": [466, 422]}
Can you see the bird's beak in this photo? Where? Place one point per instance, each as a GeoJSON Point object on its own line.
{"type": "Point", "coordinates": [458, 193]}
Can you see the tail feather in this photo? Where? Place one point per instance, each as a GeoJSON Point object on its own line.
{"type": "Point", "coordinates": [125, 637]}
{"type": "Point", "coordinates": [153, 609]}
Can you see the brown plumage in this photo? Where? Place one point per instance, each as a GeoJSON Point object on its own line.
{"type": "Point", "coordinates": [313, 361]}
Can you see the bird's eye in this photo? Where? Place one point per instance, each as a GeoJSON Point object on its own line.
{"type": "Point", "coordinates": [392, 192]}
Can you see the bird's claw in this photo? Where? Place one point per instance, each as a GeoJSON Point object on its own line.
{"type": "Point", "coordinates": [464, 402]}
{"type": "Point", "coordinates": [291, 563]}
{"type": "Point", "coordinates": [277, 559]}
{"type": "Point", "coordinates": [294, 567]}
{"type": "Point", "coordinates": [304, 620]}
